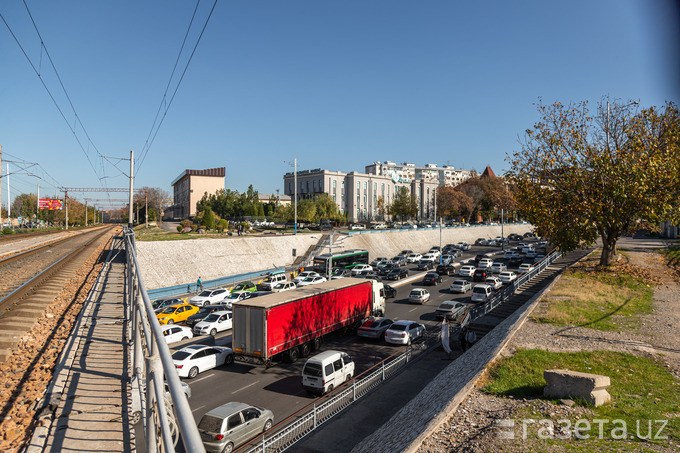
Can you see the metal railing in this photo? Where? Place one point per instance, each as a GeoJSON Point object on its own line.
{"type": "Point", "coordinates": [293, 429]}
{"type": "Point", "coordinates": [165, 415]}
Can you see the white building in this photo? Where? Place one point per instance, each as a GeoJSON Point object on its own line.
{"type": "Point", "coordinates": [444, 176]}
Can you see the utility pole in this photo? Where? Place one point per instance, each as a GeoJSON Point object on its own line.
{"type": "Point", "coordinates": [37, 206]}
{"type": "Point", "coordinates": [1, 189]}
{"type": "Point", "coordinates": [295, 182]}
{"type": "Point", "coordinates": [132, 165]}
{"type": "Point", "coordinates": [146, 210]}
{"type": "Point", "coordinates": [85, 212]}
{"type": "Point", "coordinates": [66, 203]}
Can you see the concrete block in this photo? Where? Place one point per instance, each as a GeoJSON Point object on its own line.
{"type": "Point", "coordinates": [573, 384]}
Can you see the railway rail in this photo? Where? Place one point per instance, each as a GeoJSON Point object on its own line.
{"type": "Point", "coordinates": [31, 279]}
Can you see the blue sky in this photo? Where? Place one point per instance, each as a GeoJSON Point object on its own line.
{"type": "Point", "coordinates": [337, 85]}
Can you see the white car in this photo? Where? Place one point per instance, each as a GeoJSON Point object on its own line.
{"type": "Point", "coordinates": [359, 268]}
{"type": "Point", "coordinates": [235, 296]}
{"type": "Point", "coordinates": [485, 263]}
{"type": "Point", "coordinates": [511, 254]}
{"type": "Point", "coordinates": [379, 226]}
{"type": "Point", "coordinates": [494, 282]}
{"type": "Point", "coordinates": [448, 259]}
{"type": "Point", "coordinates": [525, 267]}
{"type": "Point", "coordinates": [357, 226]}
{"type": "Point", "coordinates": [531, 253]}
{"type": "Point", "coordinates": [467, 271]}
{"type": "Point", "coordinates": [414, 258]}
{"type": "Point", "coordinates": [197, 358]}
{"type": "Point", "coordinates": [498, 267]}
{"type": "Point", "coordinates": [463, 245]}
{"type": "Point", "coordinates": [430, 256]}
{"type": "Point", "coordinates": [404, 332]}
{"type": "Point", "coordinates": [217, 321]}
{"type": "Point", "coordinates": [209, 296]}
{"type": "Point", "coordinates": [174, 333]}
{"type": "Point", "coordinates": [460, 286]}
{"type": "Point", "coordinates": [303, 275]}
{"type": "Point", "coordinates": [507, 276]}
{"type": "Point", "coordinates": [285, 286]}
{"type": "Point", "coordinates": [419, 296]}
{"type": "Point", "coordinates": [312, 281]}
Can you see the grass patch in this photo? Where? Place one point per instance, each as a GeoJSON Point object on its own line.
{"type": "Point", "coordinates": [641, 389]}
{"type": "Point", "coordinates": [673, 256]}
{"type": "Point", "coordinates": [598, 300]}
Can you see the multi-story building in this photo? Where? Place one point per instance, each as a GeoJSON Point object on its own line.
{"type": "Point", "coordinates": [190, 186]}
{"type": "Point", "coordinates": [445, 176]}
{"type": "Point", "coordinates": [364, 197]}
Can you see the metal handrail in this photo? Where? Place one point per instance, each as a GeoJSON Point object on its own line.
{"type": "Point", "coordinates": [151, 362]}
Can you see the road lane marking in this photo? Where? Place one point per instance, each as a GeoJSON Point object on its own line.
{"type": "Point", "coordinates": [243, 388]}
{"type": "Point", "coordinates": [413, 309]}
{"type": "Point", "coordinates": [204, 377]}
{"type": "Point", "coordinates": [199, 408]}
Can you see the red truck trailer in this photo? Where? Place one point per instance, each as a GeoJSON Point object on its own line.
{"type": "Point", "coordinates": [292, 323]}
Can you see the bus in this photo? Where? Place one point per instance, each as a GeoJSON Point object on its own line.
{"type": "Point", "coordinates": [344, 259]}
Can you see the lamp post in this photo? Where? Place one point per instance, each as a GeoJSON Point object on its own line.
{"type": "Point", "coordinates": [294, 190]}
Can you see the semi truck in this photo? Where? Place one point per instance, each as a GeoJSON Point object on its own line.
{"type": "Point", "coordinates": [291, 324]}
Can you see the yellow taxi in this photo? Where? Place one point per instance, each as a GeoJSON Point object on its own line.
{"type": "Point", "coordinates": [176, 313]}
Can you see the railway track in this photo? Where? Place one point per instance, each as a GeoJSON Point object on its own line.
{"type": "Point", "coordinates": [32, 279]}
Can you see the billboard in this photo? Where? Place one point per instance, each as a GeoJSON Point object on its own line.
{"type": "Point", "coordinates": [50, 204]}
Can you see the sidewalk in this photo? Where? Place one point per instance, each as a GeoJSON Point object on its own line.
{"type": "Point", "coordinates": [89, 396]}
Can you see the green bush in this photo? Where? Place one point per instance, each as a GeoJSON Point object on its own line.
{"type": "Point", "coordinates": [7, 230]}
{"type": "Point", "coordinates": [222, 225]}
{"type": "Point", "coordinates": [179, 228]}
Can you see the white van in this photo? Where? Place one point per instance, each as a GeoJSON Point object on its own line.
{"type": "Point", "coordinates": [481, 293]}
{"type": "Point", "coordinates": [326, 371]}
{"type": "Point", "coordinates": [274, 279]}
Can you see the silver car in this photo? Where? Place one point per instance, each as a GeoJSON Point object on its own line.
{"type": "Point", "coordinates": [233, 424]}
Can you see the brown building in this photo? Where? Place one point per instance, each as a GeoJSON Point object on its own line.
{"type": "Point", "coordinates": [191, 185]}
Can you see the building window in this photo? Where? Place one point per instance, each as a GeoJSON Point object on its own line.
{"type": "Point", "coordinates": [365, 185]}
{"type": "Point", "coordinates": [358, 200]}
{"type": "Point", "coordinates": [358, 187]}
{"type": "Point", "coordinates": [307, 186]}
{"type": "Point", "coordinates": [320, 185]}
{"type": "Point", "coordinates": [290, 187]}
{"type": "Point", "coordinates": [364, 200]}
{"type": "Point", "coordinates": [314, 185]}
{"type": "Point", "coordinates": [383, 189]}
{"type": "Point", "coordinates": [334, 185]}
{"type": "Point", "coordinates": [375, 187]}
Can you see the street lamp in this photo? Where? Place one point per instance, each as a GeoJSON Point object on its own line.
{"type": "Point", "coordinates": [294, 163]}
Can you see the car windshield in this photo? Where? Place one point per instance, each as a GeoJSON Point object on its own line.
{"type": "Point", "coordinates": [312, 369]}
{"type": "Point", "coordinates": [232, 296]}
{"type": "Point", "coordinates": [210, 424]}
{"type": "Point", "coordinates": [397, 327]}
{"type": "Point", "coordinates": [205, 293]}
{"type": "Point", "coordinates": [459, 282]}
{"type": "Point", "coordinates": [169, 310]}
{"type": "Point", "coordinates": [205, 310]}
{"type": "Point", "coordinates": [240, 287]}
{"type": "Point", "coordinates": [308, 279]}
{"type": "Point", "coordinates": [279, 286]}
{"type": "Point", "coordinates": [181, 355]}
{"type": "Point", "coordinates": [446, 307]}
{"type": "Point", "coordinates": [212, 317]}
{"type": "Point", "coordinates": [415, 292]}
{"type": "Point", "coordinates": [479, 290]}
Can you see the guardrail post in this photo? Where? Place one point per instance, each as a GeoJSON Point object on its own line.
{"type": "Point", "coordinates": [383, 371]}
{"type": "Point", "coordinates": [314, 415]}
{"type": "Point", "coordinates": [354, 390]}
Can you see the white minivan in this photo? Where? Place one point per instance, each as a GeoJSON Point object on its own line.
{"type": "Point", "coordinates": [482, 293]}
{"type": "Point", "coordinates": [272, 280]}
{"type": "Point", "coordinates": [326, 371]}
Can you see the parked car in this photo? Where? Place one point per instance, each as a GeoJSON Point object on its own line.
{"type": "Point", "coordinates": [197, 358]}
{"type": "Point", "coordinates": [284, 286]}
{"type": "Point", "coordinates": [451, 310]}
{"type": "Point", "coordinates": [424, 264]}
{"type": "Point", "coordinates": [233, 424]}
{"type": "Point", "coordinates": [525, 267]}
{"type": "Point", "coordinates": [413, 257]}
{"type": "Point", "coordinates": [359, 268]}
{"type": "Point", "coordinates": [460, 286]}
{"type": "Point", "coordinates": [467, 271]}
{"type": "Point", "coordinates": [312, 281]}
{"type": "Point", "coordinates": [485, 263]}
{"type": "Point", "coordinates": [432, 278]}
{"type": "Point", "coordinates": [507, 276]}
{"type": "Point", "coordinates": [303, 275]}
{"type": "Point", "coordinates": [357, 226]}
{"type": "Point", "coordinates": [218, 321]}
{"type": "Point", "coordinates": [404, 332]}
{"type": "Point", "coordinates": [176, 313]}
{"type": "Point", "coordinates": [397, 274]}
{"type": "Point", "coordinates": [419, 296]}
{"type": "Point", "coordinates": [390, 292]}
{"type": "Point", "coordinates": [374, 327]}
{"type": "Point", "coordinates": [446, 269]}
{"type": "Point", "coordinates": [497, 267]}
{"type": "Point", "coordinates": [160, 304]}
{"type": "Point", "coordinates": [209, 296]}
{"type": "Point", "coordinates": [245, 286]}
{"type": "Point", "coordinates": [325, 371]}
{"type": "Point", "coordinates": [481, 241]}
{"type": "Point", "coordinates": [379, 226]}
{"type": "Point", "coordinates": [482, 293]}
{"type": "Point", "coordinates": [173, 333]}
{"type": "Point", "coordinates": [202, 313]}
{"type": "Point", "coordinates": [480, 275]}
{"type": "Point", "coordinates": [235, 296]}
{"type": "Point", "coordinates": [494, 282]}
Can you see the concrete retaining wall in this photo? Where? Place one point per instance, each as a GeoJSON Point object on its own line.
{"type": "Point", "coordinates": [169, 263]}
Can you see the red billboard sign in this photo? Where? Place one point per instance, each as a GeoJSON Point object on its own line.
{"type": "Point", "coordinates": [50, 204]}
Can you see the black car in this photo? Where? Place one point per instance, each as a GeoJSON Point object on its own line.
{"type": "Point", "coordinates": [481, 274]}
{"type": "Point", "coordinates": [479, 257]}
{"type": "Point", "coordinates": [390, 292]}
{"type": "Point", "coordinates": [162, 303]}
{"type": "Point", "coordinates": [397, 274]}
{"type": "Point", "coordinates": [386, 270]}
{"type": "Point", "coordinates": [202, 313]}
{"type": "Point", "coordinates": [446, 269]}
{"type": "Point", "coordinates": [432, 278]}
{"type": "Point", "coordinates": [425, 265]}
{"type": "Point", "coordinates": [514, 261]}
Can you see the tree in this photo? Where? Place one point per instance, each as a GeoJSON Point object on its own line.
{"type": "Point", "coordinates": [452, 202]}
{"type": "Point", "coordinates": [208, 219]}
{"type": "Point", "coordinates": [404, 203]}
{"type": "Point", "coordinates": [580, 177]}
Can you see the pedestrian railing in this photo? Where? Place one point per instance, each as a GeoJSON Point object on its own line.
{"type": "Point", "coordinates": [165, 415]}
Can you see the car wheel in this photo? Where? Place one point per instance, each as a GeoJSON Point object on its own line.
{"type": "Point", "coordinates": [268, 426]}
{"type": "Point", "coordinates": [408, 343]}
{"type": "Point", "coordinates": [293, 355]}
{"type": "Point", "coordinates": [330, 388]}
{"type": "Point", "coordinates": [305, 349]}
{"type": "Point", "coordinates": [193, 372]}
{"type": "Point", "coordinates": [229, 359]}
{"type": "Point", "coordinates": [228, 448]}
{"type": "Point", "coordinates": [170, 321]}
{"type": "Point", "coordinates": [316, 344]}
{"type": "Point", "coordinates": [184, 338]}
{"type": "Point", "coordinates": [213, 332]}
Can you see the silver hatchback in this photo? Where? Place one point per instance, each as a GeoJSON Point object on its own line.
{"type": "Point", "coordinates": [233, 424]}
